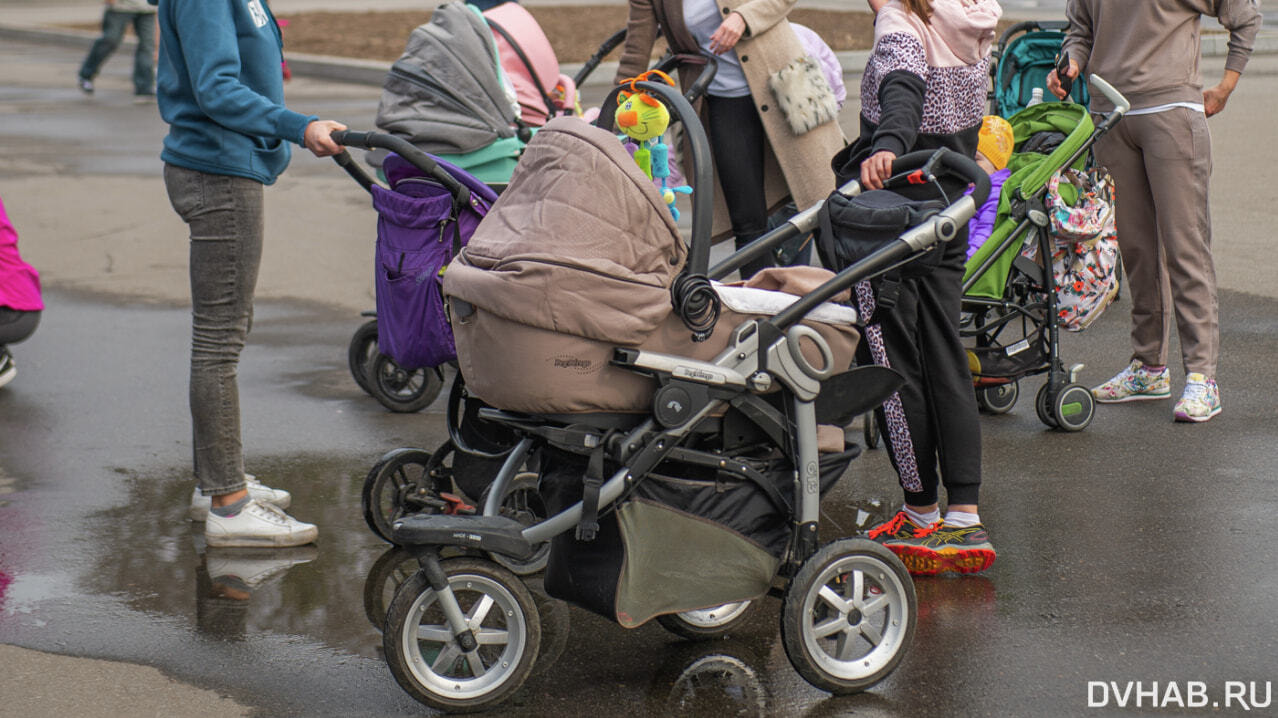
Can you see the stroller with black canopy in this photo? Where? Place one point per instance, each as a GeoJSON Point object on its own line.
{"type": "Point", "coordinates": [650, 443]}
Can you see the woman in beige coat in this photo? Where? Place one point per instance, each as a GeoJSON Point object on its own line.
{"type": "Point", "coordinates": [759, 160]}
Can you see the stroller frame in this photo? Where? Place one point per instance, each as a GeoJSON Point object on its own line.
{"type": "Point", "coordinates": [763, 354]}
{"type": "Point", "coordinates": [1061, 402]}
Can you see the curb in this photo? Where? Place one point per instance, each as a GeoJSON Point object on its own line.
{"type": "Point", "coordinates": [373, 72]}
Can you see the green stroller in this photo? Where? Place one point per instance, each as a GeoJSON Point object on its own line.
{"type": "Point", "coordinates": [1010, 317]}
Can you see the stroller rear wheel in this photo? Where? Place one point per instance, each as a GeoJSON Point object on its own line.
{"type": "Point", "coordinates": [361, 353]}
{"type": "Point", "coordinates": [848, 616]}
{"type": "Point", "coordinates": [400, 483]}
{"type": "Point", "coordinates": [523, 504]}
{"type": "Point", "coordinates": [425, 650]}
{"type": "Point", "coordinates": [403, 390]}
{"type": "Point", "coordinates": [707, 623]}
{"type": "Point", "coordinates": [998, 398]}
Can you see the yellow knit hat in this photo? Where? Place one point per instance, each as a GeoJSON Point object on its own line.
{"type": "Point", "coordinates": [996, 141]}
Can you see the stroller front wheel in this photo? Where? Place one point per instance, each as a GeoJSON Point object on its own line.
{"type": "Point", "coordinates": [1074, 407]}
{"type": "Point", "coordinates": [426, 654]}
{"type": "Point", "coordinates": [848, 616]}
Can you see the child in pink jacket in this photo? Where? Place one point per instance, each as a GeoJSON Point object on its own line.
{"type": "Point", "coordinates": [20, 303]}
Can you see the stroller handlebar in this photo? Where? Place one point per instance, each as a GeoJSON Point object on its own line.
{"type": "Point", "coordinates": [1121, 103]}
{"type": "Point", "coordinates": [926, 166]}
{"type": "Point", "coordinates": [403, 148]}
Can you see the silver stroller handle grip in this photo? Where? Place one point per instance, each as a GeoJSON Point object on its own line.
{"type": "Point", "coordinates": [1121, 104]}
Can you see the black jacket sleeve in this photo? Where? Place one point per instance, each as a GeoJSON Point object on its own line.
{"type": "Point", "coordinates": [901, 100]}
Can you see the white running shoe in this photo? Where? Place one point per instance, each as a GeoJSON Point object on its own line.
{"type": "Point", "coordinates": [257, 524]}
{"type": "Point", "coordinates": [200, 504]}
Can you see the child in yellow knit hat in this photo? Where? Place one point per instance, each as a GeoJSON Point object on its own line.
{"type": "Point", "coordinates": [993, 150]}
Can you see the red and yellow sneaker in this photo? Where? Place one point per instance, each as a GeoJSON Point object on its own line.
{"type": "Point", "coordinates": [897, 528]}
{"type": "Point", "coordinates": [940, 548]}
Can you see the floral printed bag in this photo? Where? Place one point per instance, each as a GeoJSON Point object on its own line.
{"type": "Point", "coordinates": [1085, 262]}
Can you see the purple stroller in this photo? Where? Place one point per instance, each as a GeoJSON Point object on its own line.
{"type": "Point", "coordinates": [425, 217]}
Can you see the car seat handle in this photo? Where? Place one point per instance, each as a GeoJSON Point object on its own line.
{"type": "Point", "coordinates": [793, 338]}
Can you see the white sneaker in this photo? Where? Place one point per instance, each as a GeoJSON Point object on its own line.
{"type": "Point", "coordinates": [248, 569]}
{"type": "Point", "coordinates": [200, 504]}
{"type": "Point", "coordinates": [257, 524]}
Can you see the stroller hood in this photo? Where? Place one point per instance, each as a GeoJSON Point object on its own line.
{"type": "Point", "coordinates": [579, 243]}
{"type": "Point", "coordinates": [444, 94]}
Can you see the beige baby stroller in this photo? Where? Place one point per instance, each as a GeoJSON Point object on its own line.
{"type": "Point", "coordinates": [673, 422]}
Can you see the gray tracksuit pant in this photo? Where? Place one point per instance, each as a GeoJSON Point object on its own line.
{"type": "Point", "coordinates": [1161, 164]}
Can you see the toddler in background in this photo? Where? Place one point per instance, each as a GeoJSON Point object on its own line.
{"type": "Point", "coordinates": [20, 303]}
{"type": "Point", "coordinates": [992, 153]}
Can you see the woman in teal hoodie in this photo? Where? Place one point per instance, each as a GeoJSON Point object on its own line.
{"type": "Point", "coordinates": [221, 90]}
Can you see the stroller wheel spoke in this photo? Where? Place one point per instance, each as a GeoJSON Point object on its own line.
{"type": "Point", "coordinates": [434, 634]}
{"type": "Point", "coordinates": [476, 664]}
{"type": "Point", "coordinates": [492, 637]}
{"type": "Point", "coordinates": [478, 612]}
{"type": "Point", "coordinates": [828, 628]}
{"type": "Point", "coordinates": [444, 662]}
{"type": "Point", "coordinates": [836, 601]}
{"type": "Point", "coordinates": [871, 634]}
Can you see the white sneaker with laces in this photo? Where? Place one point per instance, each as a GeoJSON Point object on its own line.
{"type": "Point", "coordinates": [257, 524]}
{"type": "Point", "coordinates": [200, 504]}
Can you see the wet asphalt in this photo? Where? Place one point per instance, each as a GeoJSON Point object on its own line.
{"type": "Point", "coordinates": [1138, 550]}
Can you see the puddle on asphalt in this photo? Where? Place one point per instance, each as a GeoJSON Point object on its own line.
{"type": "Point", "coordinates": [337, 591]}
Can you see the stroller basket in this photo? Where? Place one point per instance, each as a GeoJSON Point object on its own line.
{"type": "Point", "coordinates": [739, 532]}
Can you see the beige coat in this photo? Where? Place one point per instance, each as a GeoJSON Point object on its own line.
{"type": "Point", "coordinates": [797, 166]}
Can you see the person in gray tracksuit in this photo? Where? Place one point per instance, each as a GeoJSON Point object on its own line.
{"type": "Point", "coordinates": [1160, 158]}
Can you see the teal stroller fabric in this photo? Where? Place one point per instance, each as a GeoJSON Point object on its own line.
{"type": "Point", "coordinates": [1024, 65]}
{"type": "Point", "coordinates": [1030, 173]}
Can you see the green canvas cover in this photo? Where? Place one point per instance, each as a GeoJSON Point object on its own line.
{"type": "Point", "coordinates": [679, 562]}
{"type": "Point", "coordinates": [1030, 173]}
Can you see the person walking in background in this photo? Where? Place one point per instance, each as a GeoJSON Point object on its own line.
{"type": "Point", "coordinates": [924, 87]}
{"type": "Point", "coordinates": [222, 93]}
{"type": "Point", "coordinates": [1160, 159]}
{"type": "Point", "coordinates": [20, 301]}
{"type": "Point", "coordinates": [118, 15]}
{"type": "Point", "coordinates": [759, 158]}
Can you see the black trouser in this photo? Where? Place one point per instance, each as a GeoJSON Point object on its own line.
{"type": "Point", "coordinates": [16, 325]}
{"type": "Point", "coordinates": [932, 422]}
{"type": "Point", "coordinates": [739, 144]}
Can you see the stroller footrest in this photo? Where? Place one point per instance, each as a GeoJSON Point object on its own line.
{"type": "Point", "coordinates": [498, 534]}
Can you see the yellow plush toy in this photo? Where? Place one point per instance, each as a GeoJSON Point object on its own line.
{"type": "Point", "coordinates": [644, 119]}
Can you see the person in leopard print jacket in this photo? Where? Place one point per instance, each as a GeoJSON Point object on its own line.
{"type": "Point", "coordinates": [924, 87]}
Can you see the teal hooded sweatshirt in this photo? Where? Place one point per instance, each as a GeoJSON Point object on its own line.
{"type": "Point", "coordinates": [220, 88]}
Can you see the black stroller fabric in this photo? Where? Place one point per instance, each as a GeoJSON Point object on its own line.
{"type": "Point", "coordinates": [852, 228]}
{"type": "Point", "coordinates": [725, 535]}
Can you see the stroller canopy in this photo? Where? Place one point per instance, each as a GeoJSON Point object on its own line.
{"type": "Point", "coordinates": [445, 94]}
{"type": "Point", "coordinates": [580, 242]}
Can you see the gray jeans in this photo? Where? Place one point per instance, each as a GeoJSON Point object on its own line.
{"type": "Point", "coordinates": [225, 217]}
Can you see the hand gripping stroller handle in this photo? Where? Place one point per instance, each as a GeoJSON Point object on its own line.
{"type": "Point", "coordinates": [403, 148]}
{"type": "Point", "coordinates": [926, 166]}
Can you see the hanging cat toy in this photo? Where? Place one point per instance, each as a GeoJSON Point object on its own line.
{"type": "Point", "coordinates": [643, 119]}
